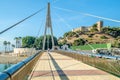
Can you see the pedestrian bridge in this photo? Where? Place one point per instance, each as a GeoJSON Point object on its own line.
{"type": "Point", "coordinates": [58, 65]}
{"type": "Point", "coordinates": [54, 66]}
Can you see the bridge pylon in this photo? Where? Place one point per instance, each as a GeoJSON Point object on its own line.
{"type": "Point", "coordinates": [48, 26]}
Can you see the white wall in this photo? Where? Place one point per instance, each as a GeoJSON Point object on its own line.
{"type": "Point", "coordinates": [24, 50]}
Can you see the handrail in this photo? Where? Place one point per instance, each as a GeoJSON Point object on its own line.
{"type": "Point", "coordinates": [6, 75]}
{"type": "Point", "coordinates": [103, 64]}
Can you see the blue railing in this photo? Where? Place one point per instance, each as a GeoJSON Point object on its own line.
{"type": "Point", "coordinates": [89, 53]}
{"type": "Point", "coordinates": [10, 71]}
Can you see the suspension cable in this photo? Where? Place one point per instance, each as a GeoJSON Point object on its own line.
{"type": "Point", "coordinates": [55, 1]}
{"type": "Point", "coordinates": [41, 23]}
{"type": "Point", "coordinates": [24, 19]}
{"type": "Point", "coordinates": [58, 33]}
{"type": "Point", "coordinates": [37, 35]}
{"type": "Point", "coordinates": [87, 14]}
{"type": "Point", "coordinates": [83, 39]}
{"type": "Point", "coordinates": [21, 21]}
{"type": "Point", "coordinates": [40, 30]}
{"type": "Point", "coordinates": [69, 26]}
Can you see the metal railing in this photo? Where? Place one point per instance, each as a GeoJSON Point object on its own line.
{"type": "Point", "coordinates": [110, 66]}
{"type": "Point", "coordinates": [21, 70]}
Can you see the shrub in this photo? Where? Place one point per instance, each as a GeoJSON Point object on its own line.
{"type": "Point", "coordinates": [79, 42]}
{"type": "Point", "coordinates": [104, 37]}
{"type": "Point", "coordinates": [90, 35]}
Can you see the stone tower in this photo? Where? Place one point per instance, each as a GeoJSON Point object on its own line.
{"type": "Point", "coordinates": [99, 25]}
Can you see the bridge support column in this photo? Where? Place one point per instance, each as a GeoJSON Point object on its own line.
{"type": "Point", "coordinates": [48, 26]}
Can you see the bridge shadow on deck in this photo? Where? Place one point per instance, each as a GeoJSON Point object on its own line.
{"type": "Point", "coordinates": [60, 72]}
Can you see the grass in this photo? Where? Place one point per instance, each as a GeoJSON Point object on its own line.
{"type": "Point", "coordinates": [110, 66]}
{"type": "Point", "coordinates": [88, 47]}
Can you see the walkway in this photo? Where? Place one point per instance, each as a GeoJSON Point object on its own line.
{"type": "Point", "coordinates": [55, 66]}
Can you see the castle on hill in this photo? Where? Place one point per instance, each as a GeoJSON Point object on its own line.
{"type": "Point", "coordinates": [88, 28]}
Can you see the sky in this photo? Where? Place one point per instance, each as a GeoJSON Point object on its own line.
{"type": "Point", "coordinates": [65, 14]}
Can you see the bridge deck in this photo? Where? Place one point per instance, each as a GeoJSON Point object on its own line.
{"type": "Point", "coordinates": [55, 66]}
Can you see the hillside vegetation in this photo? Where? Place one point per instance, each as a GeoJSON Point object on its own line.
{"type": "Point", "coordinates": [107, 35]}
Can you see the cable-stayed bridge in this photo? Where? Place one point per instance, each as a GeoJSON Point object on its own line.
{"type": "Point", "coordinates": [59, 64]}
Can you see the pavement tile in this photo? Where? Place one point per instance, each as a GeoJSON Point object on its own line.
{"type": "Point", "coordinates": [66, 68]}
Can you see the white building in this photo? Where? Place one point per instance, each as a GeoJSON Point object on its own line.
{"type": "Point", "coordinates": [24, 51]}
{"type": "Point", "coordinates": [65, 47]}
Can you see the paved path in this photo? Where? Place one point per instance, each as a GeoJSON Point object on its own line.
{"type": "Point", "coordinates": [55, 66]}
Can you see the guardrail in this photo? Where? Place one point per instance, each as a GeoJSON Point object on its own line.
{"type": "Point", "coordinates": [89, 53]}
{"type": "Point", "coordinates": [110, 66]}
{"type": "Point", "coordinates": [21, 70]}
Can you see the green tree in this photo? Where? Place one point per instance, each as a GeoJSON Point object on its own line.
{"type": "Point", "coordinates": [104, 37]}
{"type": "Point", "coordinates": [113, 31]}
{"type": "Point", "coordinates": [37, 43]}
{"type": "Point", "coordinates": [94, 28]}
{"type": "Point", "coordinates": [106, 30]}
{"type": "Point", "coordinates": [116, 44]}
{"type": "Point", "coordinates": [48, 42]}
{"type": "Point", "coordinates": [28, 41]}
{"type": "Point", "coordinates": [79, 42]}
{"type": "Point", "coordinates": [69, 34]}
{"type": "Point", "coordinates": [118, 38]}
{"type": "Point", "coordinates": [62, 43]}
{"type": "Point", "coordinates": [66, 34]}
{"type": "Point", "coordinates": [5, 44]}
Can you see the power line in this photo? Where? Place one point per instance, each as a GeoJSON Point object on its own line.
{"type": "Point", "coordinates": [54, 1]}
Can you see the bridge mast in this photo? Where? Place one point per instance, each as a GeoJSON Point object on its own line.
{"type": "Point", "coordinates": [48, 25]}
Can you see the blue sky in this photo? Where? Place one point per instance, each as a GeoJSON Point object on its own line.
{"type": "Point", "coordinates": [12, 11]}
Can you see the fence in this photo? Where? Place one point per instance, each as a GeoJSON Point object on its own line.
{"type": "Point", "coordinates": [111, 66]}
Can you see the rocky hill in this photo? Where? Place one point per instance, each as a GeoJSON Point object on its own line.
{"type": "Point", "coordinates": [91, 38]}
{"type": "Point", "coordinates": [107, 35]}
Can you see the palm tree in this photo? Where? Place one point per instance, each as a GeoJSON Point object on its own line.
{"type": "Point", "coordinates": [16, 38]}
{"type": "Point", "coordinates": [19, 42]}
{"type": "Point", "coordinates": [13, 46]}
{"type": "Point", "coordinates": [8, 45]}
{"type": "Point", "coordinates": [5, 44]}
